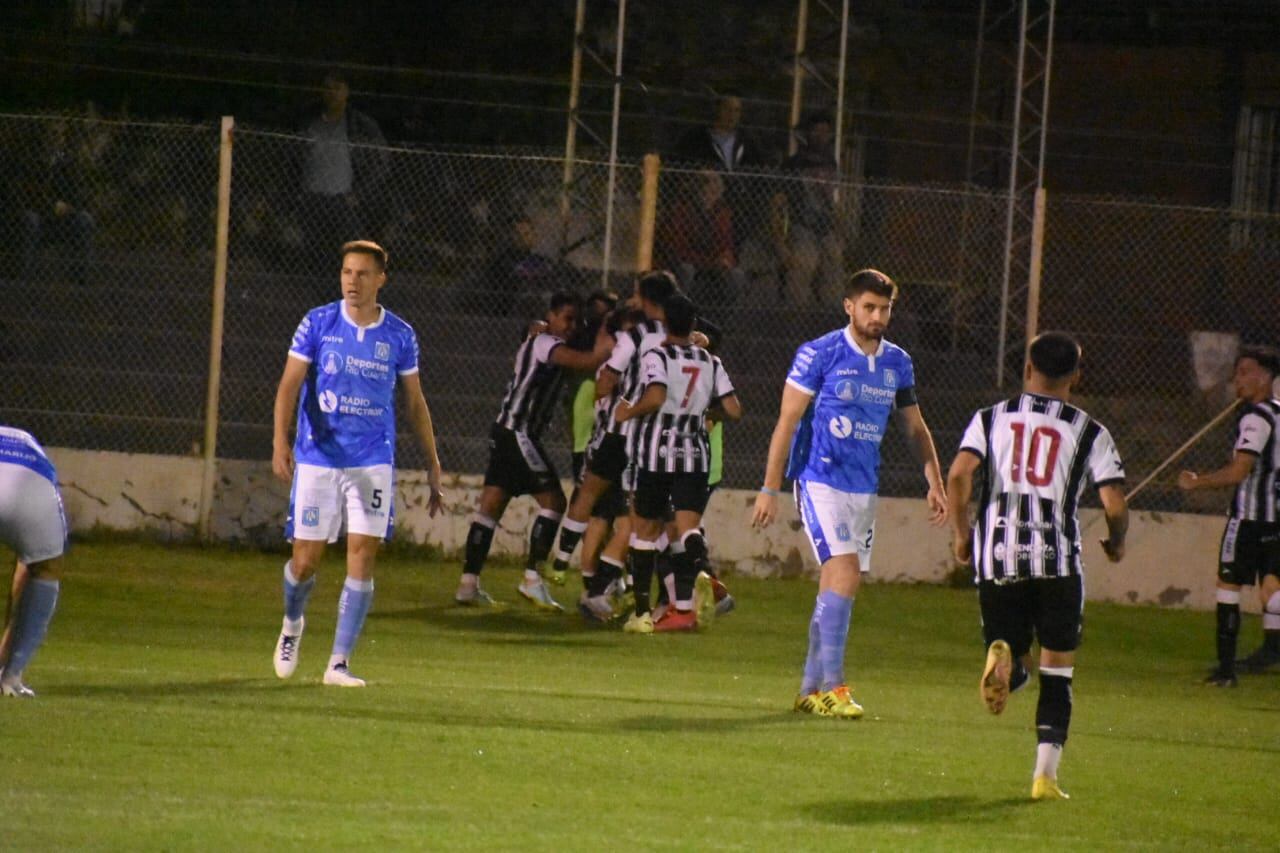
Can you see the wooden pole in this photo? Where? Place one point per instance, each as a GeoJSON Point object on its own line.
{"type": "Point", "coordinates": [648, 212]}
{"type": "Point", "coordinates": [1037, 259]}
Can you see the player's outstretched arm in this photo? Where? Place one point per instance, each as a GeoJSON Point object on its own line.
{"type": "Point", "coordinates": [419, 416]}
{"type": "Point", "coordinates": [650, 401]}
{"type": "Point", "coordinates": [295, 373]}
{"type": "Point", "coordinates": [729, 408]}
{"type": "Point", "coordinates": [792, 409]}
{"type": "Point", "coordinates": [959, 490]}
{"type": "Point", "coordinates": [1116, 510]}
{"type": "Point", "coordinates": [921, 441]}
{"type": "Point", "coordinates": [1231, 474]}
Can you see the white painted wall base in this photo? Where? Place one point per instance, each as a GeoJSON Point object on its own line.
{"type": "Point", "coordinates": [1171, 559]}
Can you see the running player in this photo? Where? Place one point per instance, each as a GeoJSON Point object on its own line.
{"type": "Point", "coordinates": [344, 364]}
{"type": "Point", "coordinates": [835, 407]}
{"type": "Point", "coordinates": [1032, 456]}
{"type": "Point", "coordinates": [33, 524]}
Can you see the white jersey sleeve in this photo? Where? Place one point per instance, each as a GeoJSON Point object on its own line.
{"type": "Point", "coordinates": [623, 349]}
{"type": "Point", "coordinates": [1253, 435]}
{"type": "Point", "coordinates": [974, 439]}
{"type": "Point", "coordinates": [1105, 467]}
{"type": "Point", "coordinates": [723, 386]}
{"type": "Point", "coordinates": [653, 368]}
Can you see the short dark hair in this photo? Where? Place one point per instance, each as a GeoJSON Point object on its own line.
{"type": "Point", "coordinates": [681, 313]}
{"type": "Point", "coordinates": [608, 297]}
{"type": "Point", "coordinates": [657, 286]}
{"type": "Point", "coordinates": [870, 280]}
{"type": "Point", "coordinates": [367, 247]}
{"type": "Point", "coordinates": [561, 298]}
{"type": "Point", "coordinates": [1055, 355]}
{"type": "Point", "coordinates": [1266, 357]}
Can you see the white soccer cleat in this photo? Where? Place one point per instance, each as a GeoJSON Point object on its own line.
{"type": "Point", "coordinates": [15, 688]}
{"type": "Point", "coordinates": [474, 596]}
{"type": "Point", "coordinates": [596, 608]}
{"type": "Point", "coordinates": [339, 676]}
{"type": "Point", "coordinates": [536, 592]}
{"type": "Point", "coordinates": [286, 656]}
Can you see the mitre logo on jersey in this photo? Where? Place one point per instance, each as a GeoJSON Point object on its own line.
{"type": "Point", "coordinates": [328, 402]}
{"type": "Point", "coordinates": [382, 350]}
{"type": "Point", "coordinates": [840, 426]}
{"type": "Point", "coordinates": [847, 390]}
{"type": "Point", "coordinates": [331, 363]}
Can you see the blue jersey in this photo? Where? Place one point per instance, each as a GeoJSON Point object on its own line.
{"type": "Point", "coordinates": [18, 447]}
{"type": "Point", "coordinates": [346, 418]}
{"type": "Point", "coordinates": [837, 442]}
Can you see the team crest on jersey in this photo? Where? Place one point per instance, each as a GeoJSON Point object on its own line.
{"type": "Point", "coordinates": [331, 363]}
{"type": "Point", "coordinates": [328, 402]}
{"type": "Point", "coordinates": [840, 426]}
{"type": "Point", "coordinates": [890, 378]}
{"type": "Point", "coordinates": [842, 532]}
{"type": "Point", "coordinates": [311, 516]}
{"type": "Point", "coordinates": [847, 390]}
{"type": "Point", "coordinates": [382, 350]}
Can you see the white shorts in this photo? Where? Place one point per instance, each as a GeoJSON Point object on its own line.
{"type": "Point", "coordinates": [32, 521]}
{"type": "Point", "coordinates": [837, 522]}
{"type": "Point", "coordinates": [320, 494]}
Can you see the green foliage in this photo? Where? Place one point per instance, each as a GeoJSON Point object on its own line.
{"type": "Point", "coordinates": [159, 725]}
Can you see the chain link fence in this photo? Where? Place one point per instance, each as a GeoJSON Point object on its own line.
{"type": "Point", "coordinates": [105, 343]}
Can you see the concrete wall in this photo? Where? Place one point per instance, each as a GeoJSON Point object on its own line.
{"type": "Point", "coordinates": [1171, 562]}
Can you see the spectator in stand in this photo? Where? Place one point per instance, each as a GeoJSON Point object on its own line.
{"type": "Point", "coordinates": [517, 277]}
{"type": "Point", "coordinates": [55, 199]}
{"type": "Point", "coordinates": [341, 173]}
{"type": "Point", "coordinates": [814, 250]}
{"type": "Point", "coordinates": [697, 241]}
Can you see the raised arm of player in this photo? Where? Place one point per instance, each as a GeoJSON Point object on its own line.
{"type": "Point", "coordinates": [959, 490]}
{"type": "Point", "coordinates": [921, 441]}
{"type": "Point", "coordinates": [1116, 510]}
{"type": "Point", "coordinates": [419, 417]}
{"type": "Point", "coordinates": [564, 356]}
{"type": "Point", "coordinates": [792, 409]}
{"type": "Point", "coordinates": [295, 373]}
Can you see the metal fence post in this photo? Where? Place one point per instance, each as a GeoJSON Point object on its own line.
{"type": "Point", "coordinates": [215, 327]}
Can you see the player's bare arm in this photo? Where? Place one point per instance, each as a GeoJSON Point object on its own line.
{"type": "Point", "coordinates": [650, 401]}
{"type": "Point", "coordinates": [606, 382]}
{"type": "Point", "coordinates": [1116, 510]}
{"type": "Point", "coordinates": [792, 409]}
{"type": "Point", "coordinates": [1231, 474]}
{"type": "Point", "coordinates": [728, 408]}
{"type": "Point", "coordinates": [419, 416]}
{"type": "Point", "coordinates": [295, 373]}
{"type": "Point", "coordinates": [959, 490]}
{"type": "Point", "coordinates": [572, 359]}
{"type": "Point", "coordinates": [921, 441]}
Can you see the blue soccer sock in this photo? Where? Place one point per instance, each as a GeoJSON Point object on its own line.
{"type": "Point", "coordinates": [353, 606]}
{"type": "Point", "coordinates": [833, 627]}
{"type": "Point", "coordinates": [812, 679]}
{"type": "Point", "coordinates": [34, 612]}
{"type": "Point", "coordinates": [296, 593]}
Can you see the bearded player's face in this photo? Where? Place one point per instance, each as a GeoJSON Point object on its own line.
{"type": "Point", "coordinates": [869, 314]}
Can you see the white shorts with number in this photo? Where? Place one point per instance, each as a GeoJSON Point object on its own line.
{"type": "Point", "coordinates": [32, 521]}
{"type": "Point", "coordinates": [837, 522]}
{"type": "Point", "coordinates": [320, 494]}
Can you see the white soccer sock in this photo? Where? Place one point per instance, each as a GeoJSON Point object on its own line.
{"type": "Point", "coordinates": [1047, 757]}
{"type": "Point", "coordinates": [531, 575]}
{"type": "Point", "coordinates": [1271, 613]}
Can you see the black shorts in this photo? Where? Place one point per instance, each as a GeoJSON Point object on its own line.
{"type": "Point", "coordinates": [518, 465]}
{"type": "Point", "coordinates": [1049, 609]}
{"type": "Point", "coordinates": [1250, 550]}
{"type": "Point", "coordinates": [611, 504]}
{"type": "Point", "coordinates": [608, 459]}
{"type": "Point", "coordinates": [658, 492]}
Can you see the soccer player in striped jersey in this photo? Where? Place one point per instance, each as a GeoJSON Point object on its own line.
{"type": "Point", "coordinates": [344, 364]}
{"type": "Point", "coordinates": [1250, 550]}
{"type": "Point", "coordinates": [33, 524]}
{"type": "Point", "coordinates": [835, 408]}
{"type": "Point", "coordinates": [678, 383]}
{"type": "Point", "coordinates": [1032, 456]}
{"type": "Point", "coordinates": [518, 464]}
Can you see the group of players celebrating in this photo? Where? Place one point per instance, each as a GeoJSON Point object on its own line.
{"type": "Point", "coordinates": [650, 465]}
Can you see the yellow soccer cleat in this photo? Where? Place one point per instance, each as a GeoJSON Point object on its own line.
{"type": "Point", "coordinates": [837, 702]}
{"type": "Point", "coordinates": [995, 676]}
{"type": "Point", "coordinates": [807, 703]}
{"type": "Point", "coordinates": [1045, 788]}
{"type": "Point", "coordinates": [639, 624]}
{"type": "Point", "coordinates": [704, 601]}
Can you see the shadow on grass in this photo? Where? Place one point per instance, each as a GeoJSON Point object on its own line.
{"type": "Point", "coordinates": [943, 809]}
{"type": "Point", "coordinates": [166, 689]}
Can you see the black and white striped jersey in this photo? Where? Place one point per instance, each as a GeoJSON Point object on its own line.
{"type": "Point", "coordinates": [625, 361]}
{"type": "Point", "coordinates": [1256, 496]}
{"type": "Point", "coordinates": [674, 438]}
{"type": "Point", "coordinates": [535, 385]}
{"type": "Point", "coordinates": [1037, 453]}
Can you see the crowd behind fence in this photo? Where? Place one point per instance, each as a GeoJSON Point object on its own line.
{"type": "Point", "coordinates": [109, 267]}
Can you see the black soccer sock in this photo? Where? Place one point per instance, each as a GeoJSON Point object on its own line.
{"type": "Point", "coordinates": [1228, 628]}
{"type": "Point", "coordinates": [696, 547]}
{"type": "Point", "coordinates": [643, 562]}
{"type": "Point", "coordinates": [1053, 711]}
{"type": "Point", "coordinates": [606, 573]}
{"type": "Point", "coordinates": [668, 564]}
{"type": "Point", "coordinates": [541, 537]}
{"type": "Point", "coordinates": [479, 538]}
{"type": "Point", "coordinates": [570, 535]}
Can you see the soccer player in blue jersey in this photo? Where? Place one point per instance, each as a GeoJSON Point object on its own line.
{"type": "Point", "coordinates": [343, 365]}
{"type": "Point", "coordinates": [33, 524]}
{"type": "Point", "coordinates": [835, 407]}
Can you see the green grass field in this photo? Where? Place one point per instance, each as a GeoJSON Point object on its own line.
{"type": "Point", "coordinates": [159, 725]}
